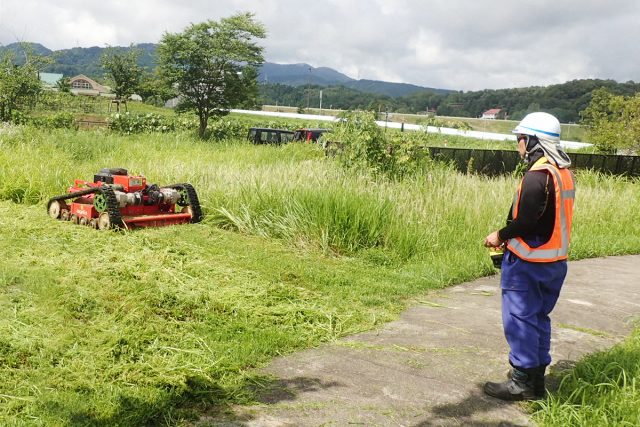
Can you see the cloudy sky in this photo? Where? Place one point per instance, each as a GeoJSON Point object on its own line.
{"type": "Point", "coordinates": [452, 44]}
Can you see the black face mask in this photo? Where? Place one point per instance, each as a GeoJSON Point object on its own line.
{"type": "Point", "coordinates": [533, 149]}
{"type": "Point", "coordinates": [532, 141]}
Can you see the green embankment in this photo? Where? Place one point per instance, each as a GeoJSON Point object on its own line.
{"type": "Point", "coordinates": [155, 326]}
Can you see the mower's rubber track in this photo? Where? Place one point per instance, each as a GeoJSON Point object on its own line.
{"type": "Point", "coordinates": [73, 195]}
{"type": "Point", "coordinates": [112, 206]}
{"type": "Point", "coordinates": [193, 200]}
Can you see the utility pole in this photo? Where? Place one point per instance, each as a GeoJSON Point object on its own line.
{"type": "Point", "coordinates": [320, 101]}
{"type": "Point", "coordinates": [308, 87]}
{"type": "Point", "coordinates": [386, 120]}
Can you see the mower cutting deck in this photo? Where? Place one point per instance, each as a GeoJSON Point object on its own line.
{"type": "Point", "coordinates": [117, 200]}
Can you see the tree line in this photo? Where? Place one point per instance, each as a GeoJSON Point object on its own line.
{"type": "Point", "coordinates": [565, 101]}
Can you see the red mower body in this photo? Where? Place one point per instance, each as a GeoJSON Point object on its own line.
{"type": "Point", "coordinates": [115, 199]}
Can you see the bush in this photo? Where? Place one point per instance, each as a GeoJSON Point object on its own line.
{"type": "Point", "coordinates": [357, 141]}
{"type": "Point", "coordinates": [19, 118]}
{"type": "Point", "coordinates": [226, 129]}
{"type": "Point", "coordinates": [68, 102]}
{"type": "Point", "coordinates": [128, 123]}
{"type": "Point", "coordinates": [440, 123]}
{"type": "Point", "coordinates": [155, 100]}
{"type": "Point", "coordinates": [55, 121]}
{"type": "Point", "coordinates": [363, 143]}
{"type": "Point", "coordinates": [140, 123]}
{"type": "Point", "coordinates": [410, 152]}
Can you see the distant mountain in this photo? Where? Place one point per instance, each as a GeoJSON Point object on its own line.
{"type": "Point", "coordinates": [393, 90]}
{"type": "Point", "coordinates": [36, 48]}
{"type": "Point", "coordinates": [300, 75]}
{"type": "Point", "coordinates": [80, 60]}
{"type": "Point", "coordinates": [305, 74]}
{"type": "Point", "coordinates": [86, 60]}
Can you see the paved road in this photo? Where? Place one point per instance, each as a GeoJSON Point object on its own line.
{"type": "Point", "coordinates": [427, 368]}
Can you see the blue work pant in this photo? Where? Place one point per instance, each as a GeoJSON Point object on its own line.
{"type": "Point", "coordinates": [529, 293]}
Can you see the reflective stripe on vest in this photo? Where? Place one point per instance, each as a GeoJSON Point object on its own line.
{"type": "Point", "coordinates": [558, 245]}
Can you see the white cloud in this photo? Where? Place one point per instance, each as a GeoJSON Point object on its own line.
{"type": "Point", "coordinates": [427, 49]}
{"type": "Point", "coordinates": [455, 44]}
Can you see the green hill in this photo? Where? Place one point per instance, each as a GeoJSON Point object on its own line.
{"type": "Point", "coordinates": [86, 60]}
{"type": "Point", "coordinates": [80, 60]}
{"type": "Point", "coordinates": [299, 85]}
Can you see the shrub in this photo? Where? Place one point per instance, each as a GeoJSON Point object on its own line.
{"type": "Point", "coordinates": [19, 118]}
{"type": "Point", "coordinates": [226, 129]}
{"type": "Point", "coordinates": [155, 100]}
{"type": "Point", "coordinates": [410, 152]}
{"type": "Point", "coordinates": [68, 102]}
{"type": "Point", "coordinates": [363, 143]}
{"type": "Point", "coordinates": [357, 141]}
{"type": "Point", "coordinates": [62, 120]}
{"type": "Point", "coordinates": [440, 123]}
{"type": "Point", "coordinates": [128, 123]}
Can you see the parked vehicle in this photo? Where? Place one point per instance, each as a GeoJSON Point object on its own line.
{"type": "Point", "coordinates": [309, 135]}
{"type": "Point", "coordinates": [269, 136]}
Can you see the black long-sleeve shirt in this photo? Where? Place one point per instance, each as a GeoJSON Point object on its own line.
{"type": "Point", "coordinates": [536, 211]}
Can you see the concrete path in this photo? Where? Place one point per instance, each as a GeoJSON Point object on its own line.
{"type": "Point", "coordinates": [428, 367]}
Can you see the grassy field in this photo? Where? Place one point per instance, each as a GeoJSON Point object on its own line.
{"type": "Point", "coordinates": [157, 326]}
{"type": "Point", "coordinates": [93, 112]}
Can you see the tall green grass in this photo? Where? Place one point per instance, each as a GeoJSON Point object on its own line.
{"type": "Point", "coordinates": [602, 390]}
{"type": "Point", "coordinates": [294, 193]}
{"type": "Point", "coordinates": [152, 326]}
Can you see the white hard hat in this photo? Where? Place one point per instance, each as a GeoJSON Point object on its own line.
{"type": "Point", "coordinates": [541, 125]}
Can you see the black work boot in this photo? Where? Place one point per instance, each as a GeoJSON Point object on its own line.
{"type": "Point", "coordinates": [539, 388]}
{"type": "Point", "coordinates": [537, 380]}
{"type": "Point", "coordinates": [518, 387]}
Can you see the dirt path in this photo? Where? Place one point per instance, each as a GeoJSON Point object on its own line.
{"type": "Point", "coordinates": [428, 367]}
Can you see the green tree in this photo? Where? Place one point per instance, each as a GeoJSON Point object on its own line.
{"type": "Point", "coordinates": [613, 121]}
{"type": "Point", "coordinates": [122, 70]}
{"type": "Point", "coordinates": [212, 65]}
{"type": "Point", "coordinates": [154, 90]}
{"type": "Point", "coordinates": [64, 85]}
{"type": "Point", "coordinates": [19, 84]}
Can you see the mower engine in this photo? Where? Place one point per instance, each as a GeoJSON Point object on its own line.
{"type": "Point", "coordinates": [116, 199]}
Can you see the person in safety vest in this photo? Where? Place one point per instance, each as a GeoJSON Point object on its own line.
{"type": "Point", "coordinates": [534, 266]}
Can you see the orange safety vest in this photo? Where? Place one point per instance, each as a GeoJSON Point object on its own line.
{"type": "Point", "coordinates": [558, 245]}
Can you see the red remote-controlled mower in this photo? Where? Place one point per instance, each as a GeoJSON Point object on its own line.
{"type": "Point", "coordinates": [116, 199]}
